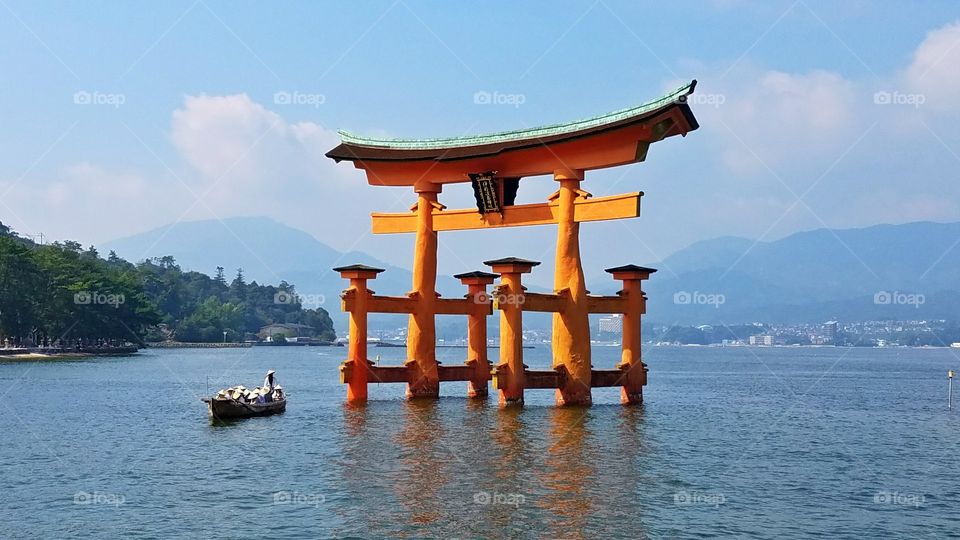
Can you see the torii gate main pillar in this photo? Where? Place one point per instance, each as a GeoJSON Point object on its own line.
{"type": "Point", "coordinates": [421, 362]}
{"type": "Point", "coordinates": [571, 326]}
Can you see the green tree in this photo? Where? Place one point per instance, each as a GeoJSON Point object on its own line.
{"type": "Point", "coordinates": [21, 289]}
{"type": "Point", "coordinates": [61, 290]}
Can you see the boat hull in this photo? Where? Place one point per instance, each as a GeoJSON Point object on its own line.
{"type": "Point", "coordinates": [225, 409]}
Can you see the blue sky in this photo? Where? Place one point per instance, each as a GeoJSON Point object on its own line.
{"type": "Point", "coordinates": [184, 122]}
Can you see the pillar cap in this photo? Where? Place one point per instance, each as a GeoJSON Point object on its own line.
{"type": "Point", "coordinates": [358, 271]}
{"type": "Point", "coordinates": [511, 265]}
{"type": "Point", "coordinates": [631, 271]}
{"type": "Point", "coordinates": [568, 174]}
{"type": "Point", "coordinates": [477, 276]}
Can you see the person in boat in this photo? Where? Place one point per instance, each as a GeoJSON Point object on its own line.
{"type": "Point", "coordinates": [270, 381]}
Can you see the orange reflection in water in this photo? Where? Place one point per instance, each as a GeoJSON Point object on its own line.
{"type": "Point", "coordinates": [424, 462]}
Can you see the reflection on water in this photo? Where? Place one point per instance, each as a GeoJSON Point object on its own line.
{"type": "Point", "coordinates": [423, 466]}
{"type": "Point", "coordinates": [569, 478]}
{"type": "Point", "coordinates": [467, 467]}
{"type": "Point", "coordinates": [717, 424]}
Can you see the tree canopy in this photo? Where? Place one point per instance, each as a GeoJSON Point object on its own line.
{"type": "Point", "coordinates": [61, 291]}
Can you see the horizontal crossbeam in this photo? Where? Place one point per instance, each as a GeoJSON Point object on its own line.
{"type": "Point", "coordinates": [464, 306]}
{"type": "Point", "coordinates": [607, 377]}
{"type": "Point", "coordinates": [556, 378]}
{"type": "Point", "coordinates": [554, 303]}
{"type": "Point", "coordinates": [606, 304]}
{"type": "Point", "coordinates": [380, 304]}
{"type": "Point", "coordinates": [626, 205]}
{"type": "Point", "coordinates": [408, 304]}
{"type": "Point", "coordinates": [401, 374]}
{"type": "Point", "coordinates": [550, 303]}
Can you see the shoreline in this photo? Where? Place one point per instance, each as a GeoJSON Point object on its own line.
{"type": "Point", "coordinates": [40, 353]}
{"type": "Point", "coordinates": [43, 356]}
{"type": "Point", "coordinates": [195, 345]}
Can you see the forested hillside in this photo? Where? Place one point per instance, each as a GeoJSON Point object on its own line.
{"type": "Point", "coordinates": [62, 291]}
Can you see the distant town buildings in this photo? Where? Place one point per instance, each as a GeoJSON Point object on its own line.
{"type": "Point", "coordinates": [830, 332]}
{"type": "Point", "coordinates": [885, 333]}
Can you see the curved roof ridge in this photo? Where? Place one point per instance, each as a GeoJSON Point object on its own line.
{"type": "Point", "coordinates": [677, 95]}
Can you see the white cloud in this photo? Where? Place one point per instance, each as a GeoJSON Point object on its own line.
{"type": "Point", "coordinates": [235, 139]}
{"type": "Point", "coordinates": [770, 118]}
{"type": "Point", "coordinates": [934, 71]}
{"type": "Point", "coordinates": [254, 162]}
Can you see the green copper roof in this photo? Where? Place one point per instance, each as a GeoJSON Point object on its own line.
{"type": "Point", "coordinates": [677, 96]}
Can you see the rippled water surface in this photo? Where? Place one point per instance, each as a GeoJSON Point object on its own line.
{"type": "Point", "coordinates": [773, 442]}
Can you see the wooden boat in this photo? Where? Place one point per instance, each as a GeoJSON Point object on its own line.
{"type": "Point", "coordinates": [225, 408]}
{"type": "Point", "coordinates": [239, 402]}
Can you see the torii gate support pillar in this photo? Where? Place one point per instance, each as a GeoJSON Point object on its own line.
{"type": "Point", "coordinates": [477, 359]}
{"type": "Point", "coordinates": [510, 373]}
{"type": "Point", "coordinates": [571, 325]}
{"type": "Point", "coordinates": [424, 376]}
{"type": "Point", "coordinates": [356, 370]}
{"type": "Point", "coordinates": [635, 305]}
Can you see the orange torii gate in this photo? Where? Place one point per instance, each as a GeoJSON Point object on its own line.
{"type": "Point", "coordinates": [494, 165]}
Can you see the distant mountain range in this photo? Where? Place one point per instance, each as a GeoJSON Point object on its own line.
{"type": "Point", "coordinates": [268, 252]}
{"type": "Point", "coordinates": [909, 271]}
